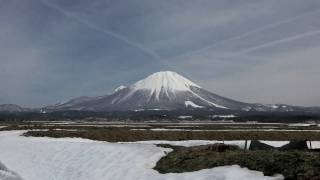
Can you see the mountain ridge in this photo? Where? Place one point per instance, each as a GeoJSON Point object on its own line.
{"type": "Point", "coordinates": [164, 90]}
{"type": "Point", "coordinates": [12, 108]}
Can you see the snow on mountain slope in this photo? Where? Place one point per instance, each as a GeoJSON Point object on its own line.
{"type": "Point", "coordinates": [162, 90]}
{"type": "Point", "coordinates": [69, 105]}
{"type": "Point", "coordinates": [191, 104]}
{"type": "Point", "coordinates": [166, 81]}
{"type": "Point", "coordinates": [80, 159]}
{"type": "Point", "coordinates": [164, 84]}
{"type": "Point", "coordinates": [12, 108]}
{"type": "Point", "coordinates": [119, 88]}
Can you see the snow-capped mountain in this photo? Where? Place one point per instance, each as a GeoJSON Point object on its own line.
{"type": "Point", "coordinates": [164, 90]}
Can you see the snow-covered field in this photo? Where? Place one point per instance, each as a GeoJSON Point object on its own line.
{"type": "Point", "coordinates": [233, 130]}
{"type": "Point", "coordinates": [79, 159]}
{"type": "Point", "coordinates": [6, 174]}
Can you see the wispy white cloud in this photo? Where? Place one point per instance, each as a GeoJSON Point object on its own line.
{"type": "Point", "coordinates": [118, 36]}
{"type": "Point", "coordinates": [284, 40]}
{"type": "Point", "coordinates": [255, 31]}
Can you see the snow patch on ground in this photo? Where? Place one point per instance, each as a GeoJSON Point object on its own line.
{"type": "Point", "coordinates": [75, 158]}
{"type": "Point", "coordinates": [300, 125]}
{"type": "Point", "coordinates": [138, 110]}
{"type": "Point", "coordinates": [182, 126]}
{"type": "Point", "coordinates": [71, 130]}
{"type": "Point", "coordinates": [314, 144]}
{"type": "Point", "coordinates": [224, 116]}
{"type": "Point", "coordinates": [185, 117]}
{"type": "Point", "coordinates": [228, 130]}
{"type": "Point", "coordinates": [276, 143]}
{"type": "Point", "coordinates": [190, 143]}
{"type": "Point", "coordinates": [98, 125]}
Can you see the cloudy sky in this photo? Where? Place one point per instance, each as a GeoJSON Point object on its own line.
{"type": "Point", "coordinates": [264, 51]}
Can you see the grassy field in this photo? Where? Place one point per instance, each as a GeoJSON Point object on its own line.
{"type": "Point", "coordinates": [126, 135]}
{"type": "Point", "coordinates": [114, 132]}
{"type": "Point", "coordinates": [294, 165]}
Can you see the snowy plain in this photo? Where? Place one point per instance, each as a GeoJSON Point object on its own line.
{"type": "Point", "coordinates": [226, 130]}
{"type": "Point", "coordinates": [6, 174]}
{"type": "Point", "coordinates": [74, 158]}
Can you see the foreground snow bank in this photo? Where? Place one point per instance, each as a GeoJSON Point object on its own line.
{"type": "Point", "coordinates": [189, 143]}
{"type": "Point", "coordinates": [6, 174]}
{"type": "Point", "coordinates": [80, 159]}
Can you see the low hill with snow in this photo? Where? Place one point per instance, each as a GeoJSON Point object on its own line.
{"type": "Point", "coordinates": [12, 108]}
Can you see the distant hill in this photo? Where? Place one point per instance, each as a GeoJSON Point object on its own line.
{"type": "Point", "coordinates": [12, 108]}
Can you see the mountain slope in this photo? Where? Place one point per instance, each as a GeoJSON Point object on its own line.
{"type": "Point", "coordinates": [162, 90]}
{"type": "Point", "coordinates": [12, 108]}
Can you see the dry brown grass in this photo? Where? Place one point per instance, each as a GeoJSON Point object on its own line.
{"type": "Point", "coordinates": [127, 135]}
